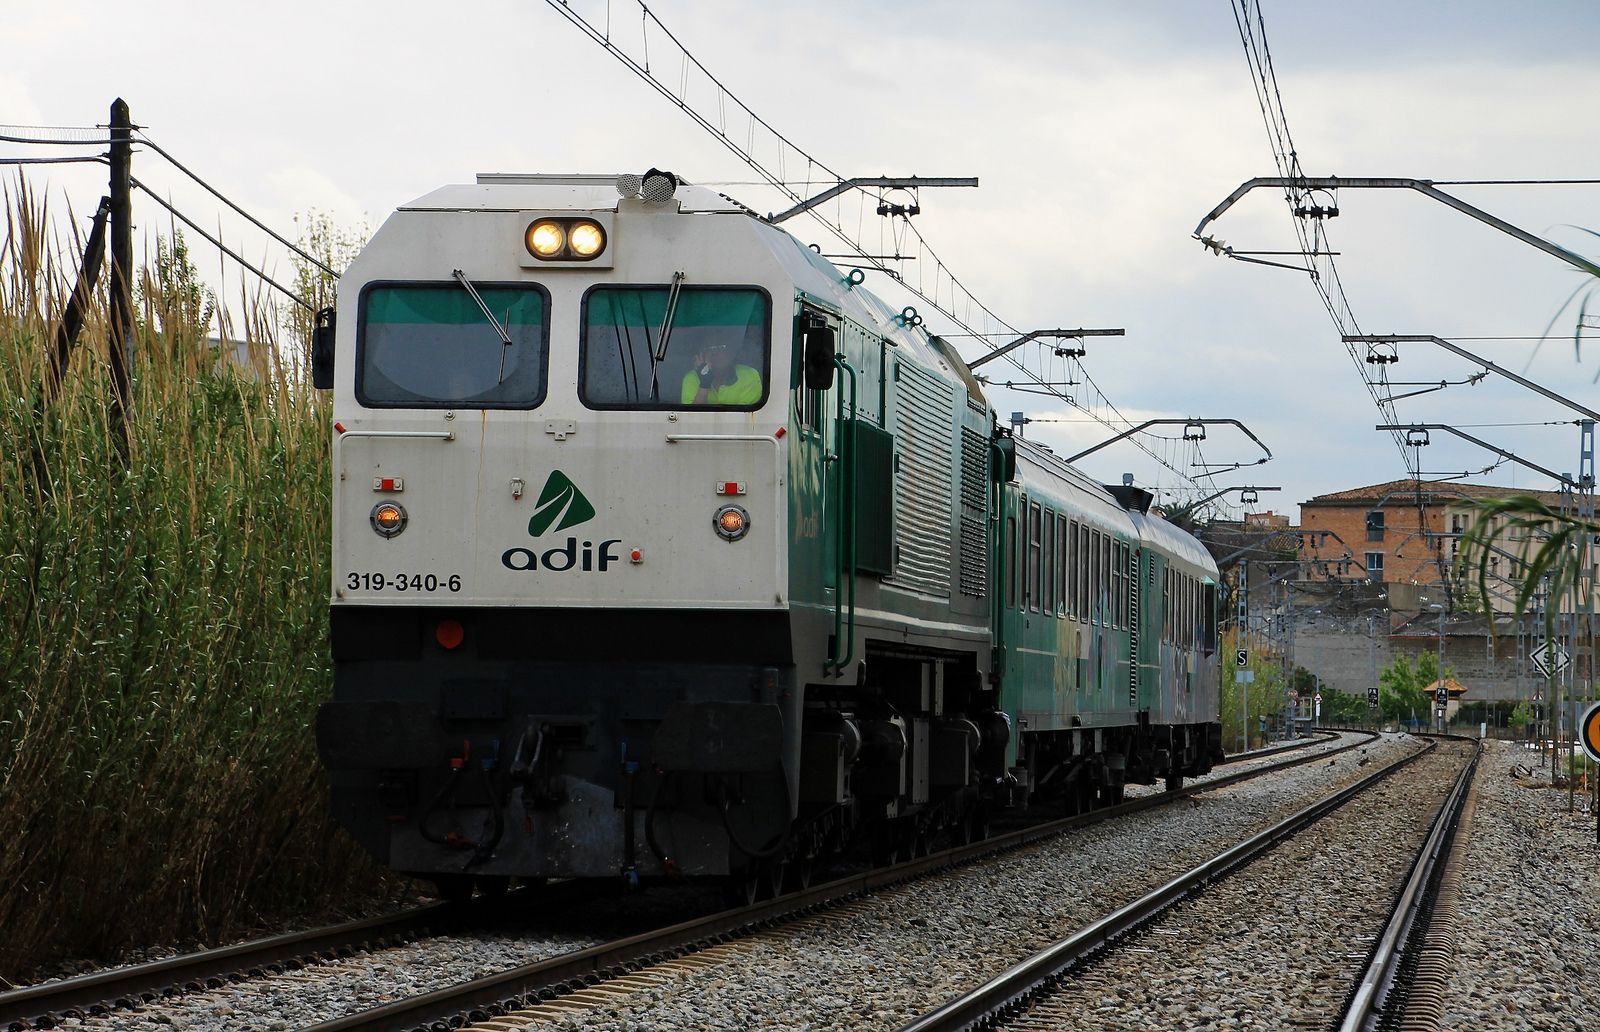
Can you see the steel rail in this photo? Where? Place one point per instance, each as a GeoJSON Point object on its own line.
{"type": "Point", "coordinates": [102, 991]}
{"type": "Point", "coordinates": [45, 1004]}
{"type": "Point", "coordinates": [494, 995]}
{"type": "Point", "coordinates": [1367, 1003]}
{"type": "Point", "coordinates": [1002, 994]}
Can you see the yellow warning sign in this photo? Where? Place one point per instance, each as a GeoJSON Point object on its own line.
{"type": "Point", "coordinates": [1589, 731]}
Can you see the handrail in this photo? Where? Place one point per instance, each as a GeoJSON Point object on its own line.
{"type": "Point", "coordinates": [844, 627]}
{"type": "Point", "coordinates": [440, 435]}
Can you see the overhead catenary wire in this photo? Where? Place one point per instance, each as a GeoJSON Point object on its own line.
{"type": "Point", "coordinates": [963, 307]}
{"type": "Point", "coordinates": [1314, 244]}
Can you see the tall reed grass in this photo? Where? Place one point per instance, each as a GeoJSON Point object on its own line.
{"type": "Point", "coordinates": [163, 625]}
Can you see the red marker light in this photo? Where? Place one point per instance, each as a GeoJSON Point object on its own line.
{"type": "Point", "coordinates": [339, 427]}
{"type": "Point", "coordinates": [778, 433]}
{"type": "Point", "coordinates": [636, 556]}
{"type": "Point", "coordinates": [449, 634]}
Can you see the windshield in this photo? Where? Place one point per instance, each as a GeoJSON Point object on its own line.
{"type": "Point", "coordinates": [422, 345]}
{"type": "Point", "coordinates": [717, 356]}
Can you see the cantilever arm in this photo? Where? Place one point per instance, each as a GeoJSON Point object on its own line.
{"type": "Point", "coordinates": [1156, 422]}
{"type": "Point", "coordinates": [1422, 186]}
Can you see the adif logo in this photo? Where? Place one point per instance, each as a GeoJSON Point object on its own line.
{"type": "Point", "coordinates": [561, 504]}
{"type": "Point", "coordinates": [560, 497]}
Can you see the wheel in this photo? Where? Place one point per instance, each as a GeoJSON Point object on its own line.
{"type": "Point", "coordinates": [801, 872]}
{"type": "Point", "coordinates": [743, 887]}
{"type": "Point", "coordinates": [777, 876]}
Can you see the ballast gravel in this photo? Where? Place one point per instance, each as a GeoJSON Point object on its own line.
{"type": "Point", "coordinates": [898, 953]}
{"type": "Point", "coordinates": [1528, 937]}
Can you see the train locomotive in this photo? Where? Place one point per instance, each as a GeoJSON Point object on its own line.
{"type": "Point", "coordinates": [663, 548]}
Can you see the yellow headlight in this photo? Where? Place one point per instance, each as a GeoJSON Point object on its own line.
{"type": "Point", "coordinates": [546, 238]}
{"type": "Point", "coordinates": [586, 239]}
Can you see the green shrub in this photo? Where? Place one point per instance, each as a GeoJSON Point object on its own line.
{"type": "Point", "coordinates": [163, 626]}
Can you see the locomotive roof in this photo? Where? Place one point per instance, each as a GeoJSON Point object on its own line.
{"type": "Point", "coordinates": [511, 191]}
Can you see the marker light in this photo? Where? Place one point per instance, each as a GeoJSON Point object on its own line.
{"type": "Point", "coordinates": [546, 238]}
{"type": "Point", "coordinates": [731, 522]}
{"type": "Point", "coordinates": [388, 518]}
{"type": "Point", "coordinates": [586, 239]}
{"type": "Point", "coordinates": [449, 634]}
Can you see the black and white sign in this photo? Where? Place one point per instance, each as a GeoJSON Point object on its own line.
{"type": "Point", "coordinates": [1241, 657]}
{"type": "Point", "coordinates": [1549, 657]}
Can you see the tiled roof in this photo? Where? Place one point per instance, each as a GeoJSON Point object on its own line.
{"type": "Point", "coordinates": [1434, 492]}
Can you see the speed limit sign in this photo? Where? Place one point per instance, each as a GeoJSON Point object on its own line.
{"type": "Point", "coordinates": [1241, 657]}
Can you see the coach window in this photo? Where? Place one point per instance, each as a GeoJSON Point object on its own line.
{"type": "Point", "coordinates": [1097, 580]}
{"type": "Point", "coordinates": [1208, 602]}
{"type": "Point", "coordinates": [1047, 577]}
{"type": "Point", "coordinates": [1034, 548]}
{"type": "Point", "coordinates": [1062, 541]}
{"type": "Point", "coordinates": [428, 345]}
{"type": "Point", "coordinates": [1084, 605]}
{"type": "Point", "coordinates": [1105, 583]}
{"type": "Point", "coordinates": [1166, 606]}
{"type": "Point", "coordinates": [1011, 560]}
{"type": "Point", "coordinates": [717, 335]}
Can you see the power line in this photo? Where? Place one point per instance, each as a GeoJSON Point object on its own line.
{"type": "Point", "coordinates": [229, 202]}
{"type": "Point", "coordinates": [1315, 247]}
{"type": "Point", "coordinates": [738, 128]}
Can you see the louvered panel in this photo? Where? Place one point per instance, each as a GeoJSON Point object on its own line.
{"type": "Point", "coordinates": [974, 512]}
{"type": "Point", "coordinates": [924, 481]}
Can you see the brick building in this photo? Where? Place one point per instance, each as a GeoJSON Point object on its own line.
{"type": "Point", "coordinates": [1406, 535]}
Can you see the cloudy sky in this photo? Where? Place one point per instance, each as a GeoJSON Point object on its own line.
{"type": "Point", "coordinates": [1101, 134]}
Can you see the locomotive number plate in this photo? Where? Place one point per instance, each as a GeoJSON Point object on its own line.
{"type": "Point", "coordinates": [403, 581]}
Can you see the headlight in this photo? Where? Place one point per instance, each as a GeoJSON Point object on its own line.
{"type": "Point", "coordinates": [731, 522]}
{"type": "Point", "coordinates": [546, 238]}
{"type": "Point", "coordinates": [388, 518]}
{"type": "Point", "coordinates": [586, 239]}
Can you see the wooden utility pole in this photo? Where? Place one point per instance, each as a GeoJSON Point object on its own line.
{"type": "Point", "coordinates": [72, 318]}
{"type": "Point", "coordinates": [121, 264]}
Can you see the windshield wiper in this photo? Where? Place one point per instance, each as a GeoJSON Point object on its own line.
{"type": "Point", "coordinates": [664, 335]}
{"type": "Point", "coordinates": [505, 336]}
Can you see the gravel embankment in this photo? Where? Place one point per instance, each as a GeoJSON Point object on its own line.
{"type": "Point", "coordinates": [1529, 932]}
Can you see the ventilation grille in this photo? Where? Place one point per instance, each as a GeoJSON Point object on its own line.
{"type": "Point", "coordinates": [922, 486]}
{"type": "Point", "coordinates": [974, 512]}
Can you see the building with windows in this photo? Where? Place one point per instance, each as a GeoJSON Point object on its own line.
{"type": "Point", "coordinates": [1406, 535]}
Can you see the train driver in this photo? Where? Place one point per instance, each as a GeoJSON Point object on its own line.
{"type": "Point", "coordinates": [719, 379]}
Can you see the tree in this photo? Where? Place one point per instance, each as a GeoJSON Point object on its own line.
{"type": "Point", "coordinates": [334, 247]}
{"type": "Point", "coordinates": [1403, 689]}
{"type": "Point", "coordinates": [171, 300]}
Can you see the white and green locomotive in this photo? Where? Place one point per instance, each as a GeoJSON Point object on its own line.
{"type": "Point", "coordinates": [663, 548]}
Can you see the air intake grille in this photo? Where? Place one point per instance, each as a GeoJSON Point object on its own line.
{"type": "Point", "coordinates": [923, 492]}
{"type": "Point", "coordinates": [974, 512]}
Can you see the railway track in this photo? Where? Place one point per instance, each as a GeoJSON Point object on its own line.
{"type": "Point", "coordinates": [1245, 935]}
{"type": "Point", "coordinates": [600, 976]}
{"type": "Point", "coordinates": [104, 995]}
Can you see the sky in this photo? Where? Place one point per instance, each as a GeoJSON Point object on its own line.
{"type": "Point", "coordinates": [1100, 133]}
